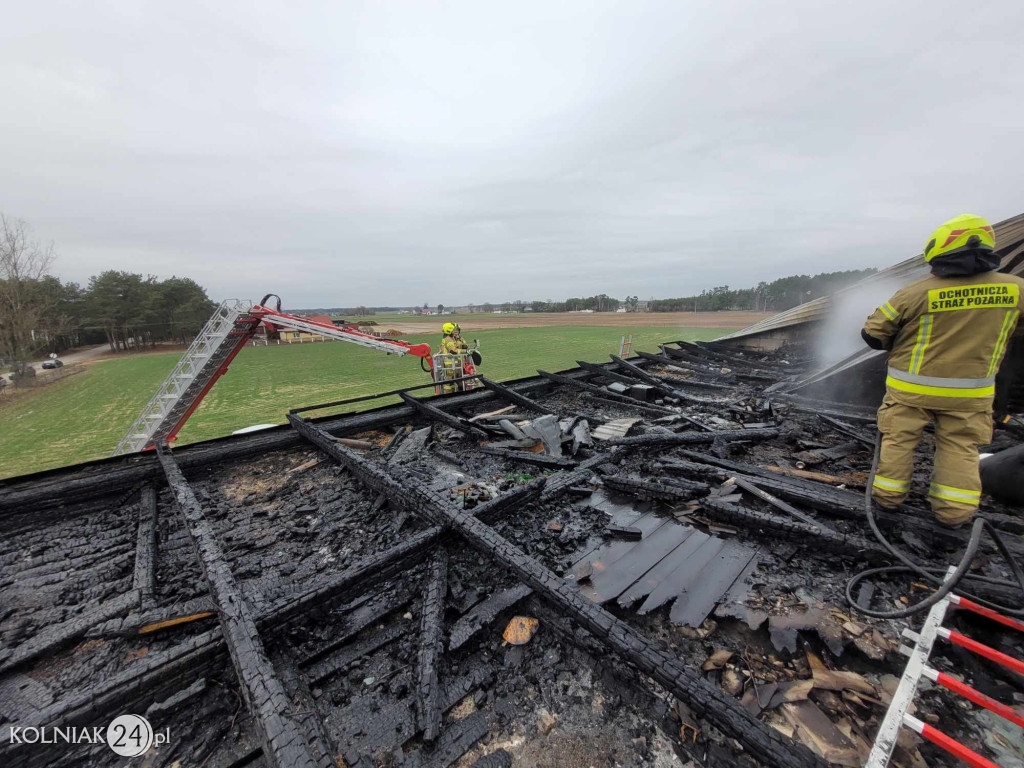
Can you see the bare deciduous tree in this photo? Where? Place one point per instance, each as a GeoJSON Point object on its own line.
{"type": "Point", "coordinates": [23, 310]}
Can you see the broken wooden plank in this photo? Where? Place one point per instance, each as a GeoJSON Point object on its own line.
{"type": "Point", "coordinates": [699, 598]}
{"type": "Point", "coordinates": [647, 583]}
{"type": "Point", "coordinates": [680, 578]}
{"type": "Point", "coordinates": [639, 560]}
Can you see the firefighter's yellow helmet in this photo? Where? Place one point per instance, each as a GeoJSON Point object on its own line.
{"type": "Point", "coordinates": [448, 329]}
{"type": "Point", "coordinates": [963, 233]}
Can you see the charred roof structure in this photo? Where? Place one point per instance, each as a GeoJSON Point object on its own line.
{"type": "Point", "coordinates": [634, 562]}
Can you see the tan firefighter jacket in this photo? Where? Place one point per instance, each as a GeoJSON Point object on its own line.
{"type": "Point", "coordinates": [452, 346]}
{"type": "Point", "coordinates": [947, 337]}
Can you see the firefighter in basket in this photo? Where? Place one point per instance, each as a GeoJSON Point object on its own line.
{"type": "Point", "coordinates": [456, 358]}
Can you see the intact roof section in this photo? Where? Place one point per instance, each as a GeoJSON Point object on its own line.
{"type": "Point", "coordinates": [1009, 238]}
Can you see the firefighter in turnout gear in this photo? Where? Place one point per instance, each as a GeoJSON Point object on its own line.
{"type": "Point", "coordinates": [451, 341]}
{"type": "Point", "coordinates": [946, 336]}
{"type": "Point", "coordinates": [453, 358]}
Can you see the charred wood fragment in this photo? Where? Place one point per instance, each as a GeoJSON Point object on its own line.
{"type": "Point", "coordinates": [667, 385]}
{"type": "Point", "coordinates": [514, 397]}
{"type": "Point", "coordinates": [604, 372]}
{"type": "Point", "coordinates": [436, 414]}
{"type": "Point", "coordinates": [648, 657]}
{"type": "Point", "coordinates": [749, 486]}
{"type": "Point", "coordinates": [701, 373]}
{"type": "Point", "coordinates": [284, 742]}
{"type": "Point", "coordinates": [696, 438]}
{"type": "Point", "coordinates": [595, 390]}
{"type": "Point", "coordinates": [795, 531]}
{"type": "Point", "coordinates": [820, 455]}
{"type": "Point", "coordinates": [338, 662]}
{"type": "Point", "coordinates": [431, 637]}
{"type": "Point", "coordinates": [59, 635]}
{"type": "Point", "coordinates": [629, 403]}
{"type": "Point", "coordinates": [499, 758]}
{"type": "Point", "coordinates": [564, 481]}
{"type": "Point", "coordinates": [667, 489]}
{"type": "Point", "coordinates": [145, 550]}
{"type": "Point", "coordinates": [483, 613]}
{"type": "Point", "coordinates": [540, 459]}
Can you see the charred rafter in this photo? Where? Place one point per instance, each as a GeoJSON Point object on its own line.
{"type": "Point", "coordinates": [599, 391]}
{"type": "Point", "coordinates": [540, 459]}
{"type": "Point", "coordinates": [203, 651]}
{"type": "Point", "coordinates": [431, 639]}
{"type": "Point", "coordinates": [284, 737]}
{"type": "Point", "coordinates": [649, 658]}
{"type": "Point", "coordinates": [145, 550]}
{"type": "Point", "coordinates": [514, 397]}
{"type": "Point", "coordinates": [696, 438]}
{"type": "Point", "coordinates": [436, 414]}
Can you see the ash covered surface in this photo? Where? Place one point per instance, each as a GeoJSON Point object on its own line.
{"type": "Point", "coordinates": [677, 539]}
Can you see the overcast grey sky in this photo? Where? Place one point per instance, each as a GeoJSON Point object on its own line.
{"type": "Point", "coordinates": [400, 152]}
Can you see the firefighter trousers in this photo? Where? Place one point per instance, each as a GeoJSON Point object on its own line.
{"type": "Point", "coordinates": [955, 489]}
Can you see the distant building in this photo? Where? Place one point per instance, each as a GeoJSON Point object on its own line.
{"type": "Point", "coordinates": [289, 336]}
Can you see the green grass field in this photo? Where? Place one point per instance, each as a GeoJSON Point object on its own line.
{"type": "Point", "coordinates": [83, 417]}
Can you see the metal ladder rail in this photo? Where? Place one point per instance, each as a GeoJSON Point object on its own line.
{"type": "Point", "coordinates": [917, 667]}
{"type": "Point", "coordinates": [339, 334]}
{"type": "Point", "coordinates": [172, 396]}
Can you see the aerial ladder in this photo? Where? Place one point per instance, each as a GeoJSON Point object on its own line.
{"type": "Point", "coordinates": [232, 326]}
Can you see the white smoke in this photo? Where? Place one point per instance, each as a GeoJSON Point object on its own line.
{"type": "Point", "coordinates": [839, 336]}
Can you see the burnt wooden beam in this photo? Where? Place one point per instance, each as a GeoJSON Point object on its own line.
{"type": "Point", "coordinates": [145, 548]}
{"type": "Point", "coordinates": [514, 397]}
{"type": "Point", "coordinates": [696, 438]}
{"type": "Point", "coordinates": [664, 384]}
{"type": "Point", "coordinates": [668, 489]}
{"type": "Point", "coordinates": [721, 380]}
{"type": "Point", "coordinates": [540, 459]}
{"type": "Point", "coordinates": [284, 739]}
{"type": "Point", "coordinates": [436, 414]}
{"type": "Point", "coordinates": [650, 658]}
{"type": "Point", "coordinates": [747, 484]}
{"type": "Point", "coordinates": [60, 635]}
{"type": "Point", "coordinates": [606, 373]}
{"type": "Point", "coordinates": [431, 637]}
{"type": "Point", "coordinates": [601, 392]}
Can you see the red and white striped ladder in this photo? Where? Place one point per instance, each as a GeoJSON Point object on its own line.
{"type": "Point", "coordinates": [918, 667]}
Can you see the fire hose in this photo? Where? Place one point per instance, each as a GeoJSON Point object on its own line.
{"type": "Point", "coordinates": [934, 575]}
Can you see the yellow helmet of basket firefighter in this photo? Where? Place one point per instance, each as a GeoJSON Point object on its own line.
{"type": "Point", "coordinates": [966, 232]}
{"type": "Point", "coordinates": [448, 329]}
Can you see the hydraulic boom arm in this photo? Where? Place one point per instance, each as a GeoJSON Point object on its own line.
{"type": "Point", "coordinates": [232, 326]}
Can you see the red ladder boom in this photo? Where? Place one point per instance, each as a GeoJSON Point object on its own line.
{"type": "Point", "coordinates": [207, 359]}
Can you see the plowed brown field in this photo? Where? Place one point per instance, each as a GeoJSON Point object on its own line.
{"type": "Point", "coordinates": [626, 320]}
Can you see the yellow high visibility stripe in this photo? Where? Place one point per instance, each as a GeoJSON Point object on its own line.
{"type": "Point", "coordinates": [949, 493]}
{"type": "Point", "coordinates": [889, 311]}
{"type": "Point", "coordinates": [924, 389]}
{"type": "Point", "coordinates": [924, 335]}
{"type": "Point", "coordinates": [1004, 334]}
{"type": "Point", "coordinates": [889, 484]}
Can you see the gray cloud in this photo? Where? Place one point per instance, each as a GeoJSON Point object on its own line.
{"type": "Point", "coordinates": [404, 152]}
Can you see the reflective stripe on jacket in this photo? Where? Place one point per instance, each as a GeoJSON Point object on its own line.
{"type": "Point", "coordinates": [947, 337]}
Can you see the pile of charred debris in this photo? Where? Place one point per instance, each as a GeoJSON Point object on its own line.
{"type": "Point", "coordinates": [640, 562]}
